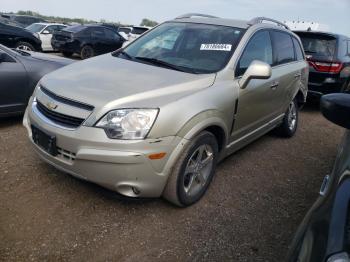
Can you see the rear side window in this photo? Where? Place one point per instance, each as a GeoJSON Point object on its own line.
{"type": "Point", "coordinates": [98, 33]}
{"type": "Point", "coordinates": [111, 35]}
{"type": "Point", "coordinates": [298, 51]}
{"type": "Point", "coordinates": [283, 47]}
{"type": "Point", "coordinates": [259, 48]}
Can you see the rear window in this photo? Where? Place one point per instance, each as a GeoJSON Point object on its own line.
{"type": "Point", "coordinates": [138, 30]}
{"type": "Point", "coordinates": [320, 45]}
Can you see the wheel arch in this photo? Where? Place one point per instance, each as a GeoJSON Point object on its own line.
{"type": "Point", "coordinates": [206, 121]}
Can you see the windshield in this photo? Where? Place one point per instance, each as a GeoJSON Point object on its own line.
{"type": "Point", "coordinates": [201, 48]}
{"type": "Point", "coordinates": [35, 28]}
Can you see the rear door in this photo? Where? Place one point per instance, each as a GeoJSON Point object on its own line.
{"type": "Point", "coordinates": [13, 94]}
{"type": "Point", "coordinates": [113, 40]}
{"type": "Point", "coordinates": [257, 102]}
{"type": "Point", "coordinates": [287, 69]}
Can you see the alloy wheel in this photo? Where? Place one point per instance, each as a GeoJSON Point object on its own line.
{"type": "Point", "coordinates": [292, 116]}
{"type": "Point", "coordinates": [198, 169]}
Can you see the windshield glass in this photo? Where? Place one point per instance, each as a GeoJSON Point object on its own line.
{"type": "Point", "coordinates": [35, 28]}
{"type": "Point", "coordinates": [201, 48]}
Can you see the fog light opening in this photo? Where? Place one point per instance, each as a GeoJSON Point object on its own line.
{"type": "Point", "coordinates": [135, 190]}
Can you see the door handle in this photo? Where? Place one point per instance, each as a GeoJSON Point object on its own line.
{"type": "Point", "coordinates": [297, 75]}
{"type": "Point", "coordinates": [274, 85]}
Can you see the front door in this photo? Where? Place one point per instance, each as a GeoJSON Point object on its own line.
{"type": "Point", "coordinates": [257, 103]}
{"type": "Point", "coordinates": [13, 86]}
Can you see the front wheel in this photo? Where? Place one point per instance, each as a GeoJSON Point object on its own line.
{"type": "Point", "coordinates": [25, 46]}
{"type": "Point", "coordinates": [290, 121]}
{"type": "Point", "coordinates": [193, 172]}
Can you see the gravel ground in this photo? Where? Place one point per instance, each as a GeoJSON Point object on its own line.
{"type": "Point", "coordinates": [250, 213]}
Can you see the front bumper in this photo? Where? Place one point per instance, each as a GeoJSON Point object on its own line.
{"type": "Point", "coordinates": [120, 165]}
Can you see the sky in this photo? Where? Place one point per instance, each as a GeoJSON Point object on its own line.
{"type": "Point", "coordinates": [334, 13]}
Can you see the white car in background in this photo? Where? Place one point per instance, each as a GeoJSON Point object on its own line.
{"type": "Point", "coordinates": [44, 32]}
{"type": "Point", "coordinates": [135, 32]}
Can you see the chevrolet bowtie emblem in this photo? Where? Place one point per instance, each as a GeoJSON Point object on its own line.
{"type": "Point", "coordinates": [51, 105]}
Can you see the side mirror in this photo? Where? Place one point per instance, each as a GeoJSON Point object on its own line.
{"type": "Point", "coordinates": [336, 108]}
{"type": "Point", "coordinates": [256, 70]}
{"type": "Point", "coordinates": [46, 32]}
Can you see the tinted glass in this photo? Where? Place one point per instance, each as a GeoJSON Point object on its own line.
{"type": "Point", "coordinates": [138, 30]}
{"type": "Point", "coordinates": [125, 30]}
{"type": "Point", "coordinates": [111, 35]}
{"type": "Point", "coordinates": [283, 47]}
{"type": "Point", "coordinates": [200, 48]}
{"type": "Point", "coordinates": [98, 32]}
{"type": "Point", "coordinates": [75, 28]}
{"type": "Point", "coordinates": [35, 28]}
{"type": "Point", "coordinates": [298, 51]}
{"type": "Point", "coordinates": [318, 44]}
{"type": "Point", "coordinates": [259, 48]}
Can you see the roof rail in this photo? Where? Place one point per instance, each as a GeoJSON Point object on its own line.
{"type": "Point", "coordinates": [259, 20]}
{"type": "Point", "coordinates": [190, 15]}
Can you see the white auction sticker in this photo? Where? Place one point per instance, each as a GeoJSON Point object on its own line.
{"type": "Point", "coordinates": [216, 47]}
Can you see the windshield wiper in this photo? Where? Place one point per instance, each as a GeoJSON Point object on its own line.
{"type": "Point", "coordinates": [163, 63]}
{"type": "Point", "coordinates": [123, 53]}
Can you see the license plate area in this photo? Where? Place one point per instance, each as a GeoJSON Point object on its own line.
{"type": "Point", "coordinates": [44, 141]}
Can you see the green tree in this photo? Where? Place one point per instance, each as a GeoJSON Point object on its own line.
{"type": "Point", "coordinates": [148, 22]}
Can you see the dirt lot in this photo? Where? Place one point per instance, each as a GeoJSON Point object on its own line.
{"type": "Point", "coordinates": [250, 213]}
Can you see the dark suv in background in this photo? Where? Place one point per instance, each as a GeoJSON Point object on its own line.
{"type": "Point", "coordinates": [328, 55]}
{"type": "Point", "coordinates": [16, 37]}
{"type": "Point", "coordinates": [87, 40]}
{"type": "Point", "coordinates": [23, 20]}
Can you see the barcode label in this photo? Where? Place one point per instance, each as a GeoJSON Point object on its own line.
{"type": "Point", "coordinates": [216, 47]}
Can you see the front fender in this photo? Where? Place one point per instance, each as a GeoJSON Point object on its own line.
{"type": "Point", "coordinates": [201, 122]}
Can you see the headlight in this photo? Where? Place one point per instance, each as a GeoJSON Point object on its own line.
{"type": "Point", "coordinates": [128, 123]}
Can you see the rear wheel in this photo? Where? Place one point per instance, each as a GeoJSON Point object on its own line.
{"type": "Point", "coordinates": [87, 52]}
{"type": "Point", "coordinates": [25, 46]}
{"type": "Point", "coordinates": [290, 121]}
{"type": "Point", "coordinates": [193, 172]}
{"type": "Point", "coordinates": [67, 54]}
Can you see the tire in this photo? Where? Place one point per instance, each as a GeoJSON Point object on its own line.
{"type": "Point", "coordinates": [190, 177]}
{"type": "Point", "coordinates": [25, 46]}
{"type": "Point", "coordinates": [67, 54]}
{"type": "Point", "coordinates": [87, 52]}
{"type": "Point", "coordinates": [346, 87]}
{"type": "Point", "coordinates": [289, 125]}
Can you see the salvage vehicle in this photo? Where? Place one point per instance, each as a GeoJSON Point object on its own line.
{"type": "Point", "coordinates": [16, 37]}
{"type": "Point", "coordinates": [44, 31]}
{"type": "Point", "coordinates": [328, 55]}
{"type": "Point", "coordinates": [87, 40]}
{"type": "Point", "coordinates": [153, 119]}
{"type": "Point", "coordinates": [20, 72]}
{"type": "Point", "coordinates": [135, 32]}
{"type": "Point", "coordinates": [324, 233]}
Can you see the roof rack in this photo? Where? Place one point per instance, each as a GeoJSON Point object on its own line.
{"type": "Point", "coordinates": [259, 20]}
{"type": "Point", "coordinates": [190, 15]}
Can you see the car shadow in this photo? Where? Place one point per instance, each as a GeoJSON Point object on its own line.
{"type": "Point", "coordinates": [10, 121]}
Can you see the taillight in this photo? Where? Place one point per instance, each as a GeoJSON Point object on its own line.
{"type": "Point", "coordinates": [334, 67]}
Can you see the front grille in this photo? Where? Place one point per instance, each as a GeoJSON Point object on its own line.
{"type": "Point", "coordinates": [65, 100]}
{"type": "Point", "coordinates": [58, 118]}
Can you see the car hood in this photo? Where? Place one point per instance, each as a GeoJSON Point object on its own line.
{"type": "Point", "coordinates": [108, 81]}
{"type": "Point", "coordinates": [50, 58]}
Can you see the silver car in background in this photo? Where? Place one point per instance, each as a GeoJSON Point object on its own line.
{"type": "Point", "coordinates": [153, 119]}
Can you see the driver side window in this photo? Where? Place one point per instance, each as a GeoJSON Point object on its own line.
{"type": "Point", "coordinates": [259, 48]}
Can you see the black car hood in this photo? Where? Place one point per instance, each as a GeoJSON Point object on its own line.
{"type": "Point", "coordinates": [50, 58]}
